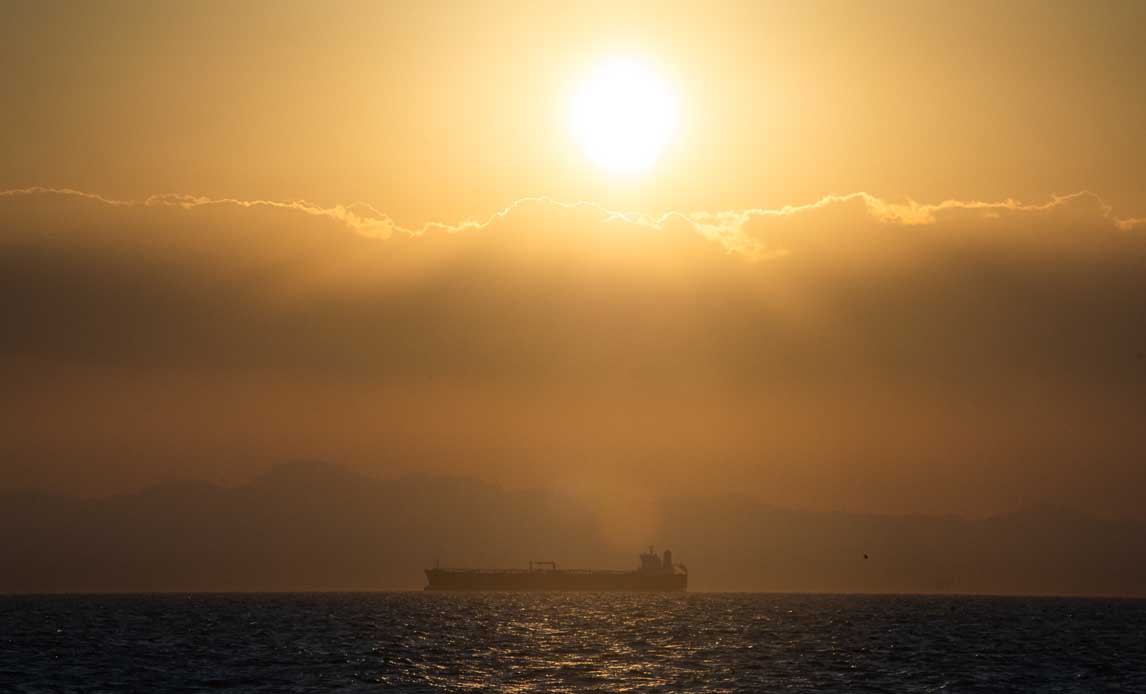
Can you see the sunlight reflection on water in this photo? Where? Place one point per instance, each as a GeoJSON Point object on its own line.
{"type": "Point", "coordinates": [580, 642]}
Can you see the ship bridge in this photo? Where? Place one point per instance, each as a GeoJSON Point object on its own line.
{"type": "Point", "coordinates": [653, 563]}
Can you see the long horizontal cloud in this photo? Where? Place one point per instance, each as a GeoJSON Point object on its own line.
{"type": "Point", "coordinates": [837, 334]}
{"type": "Point", "coordinates": [729, 227]}
{"type": "Point", "coordinates": [551, 290]}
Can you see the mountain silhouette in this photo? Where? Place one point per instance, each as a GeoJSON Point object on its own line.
{"type": "Point", "coordinates": [319, 526]}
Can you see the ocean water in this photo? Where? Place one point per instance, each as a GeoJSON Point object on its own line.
{"type": "Point", "coordinates": [569, 642]}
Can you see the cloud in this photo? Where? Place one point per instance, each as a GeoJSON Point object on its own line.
{"type": "Point", "coordinates": [732, 228]}
{"type": "Point", "coordinates": [811, 343]}
{"type": "Point", "coordinates": [536, 275]}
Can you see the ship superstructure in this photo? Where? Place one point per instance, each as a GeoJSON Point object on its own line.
{"type": "Point", "coordinates": [655, 573]}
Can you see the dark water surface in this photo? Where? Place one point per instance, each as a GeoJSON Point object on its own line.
{"type": "Point", "coordinates": [569, 642]}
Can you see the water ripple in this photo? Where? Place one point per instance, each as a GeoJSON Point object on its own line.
{"type": "Point", "coordinates": [572, 642]}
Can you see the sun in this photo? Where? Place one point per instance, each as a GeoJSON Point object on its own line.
{"type": "Point", "coordinates": [624, 114]}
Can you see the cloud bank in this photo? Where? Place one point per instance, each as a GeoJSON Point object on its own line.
{"type": "Point", "coordinates": [728, 226]}
{"type": "Point", "coordinates": [852, 352]}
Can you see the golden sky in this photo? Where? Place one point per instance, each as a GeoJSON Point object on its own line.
{"type": "Point", "coordinates": [891, 257]}
{"type": "Point", "coordinates": [449, 111]}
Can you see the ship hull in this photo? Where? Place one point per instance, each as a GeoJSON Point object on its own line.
{"type": "Point", "coordinates": [461, 579]}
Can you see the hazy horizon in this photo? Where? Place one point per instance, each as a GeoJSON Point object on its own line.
{"type": "Point", "coordinates": [310, 526]}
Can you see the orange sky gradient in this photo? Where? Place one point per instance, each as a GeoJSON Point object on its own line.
{"type": "Point", "coordinates": [892, 260]}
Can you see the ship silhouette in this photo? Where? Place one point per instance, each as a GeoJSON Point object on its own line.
{"type": "Point", "coordinates": [654, 573]}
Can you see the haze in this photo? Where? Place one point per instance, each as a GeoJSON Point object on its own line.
{"type": "Point", "coordinates": [892, 261]}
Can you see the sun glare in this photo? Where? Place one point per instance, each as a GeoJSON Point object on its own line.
{"type": "Point", "coordinates": [623, 116]}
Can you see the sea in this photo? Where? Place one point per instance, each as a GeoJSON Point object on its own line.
{"type": "Point", "coordinates": [569, 642]}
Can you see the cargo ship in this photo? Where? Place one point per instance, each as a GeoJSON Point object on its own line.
{"type": "Point", "coordinates": [655, 573]}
